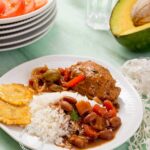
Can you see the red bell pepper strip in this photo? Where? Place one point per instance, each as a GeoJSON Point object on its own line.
{"type": "Point", "coordinates": [108, 112]}
{"type": "Point", "coordinates": [112, 112]}
{"type": "Point", "coordinates": [111, 109]}
{"type": "Point", "coordinates": [99, 110]}
{"type": "Point", "coordinates": [74, 81]}
{"type": "Point", "coordinates": [89, 131]}
{"type": "Point", "coordinates": [108, 104]}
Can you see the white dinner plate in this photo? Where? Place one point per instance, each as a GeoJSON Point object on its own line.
{"type": "Point", "coordinates": [31, 39]}
{"type": "Point", "coordinates": [130, 112]}
{"type": "Point", "coordinates": [20, 33]}
{"type": "Point", "coordinates": [19, 23]}
{"type": "Point", "coordinates": [25, 43]}
{"type": "Point", "coordinates": [25, 37]}
{"type": "Point", "coordinates": [28, 24]}
{"type": "Point", "coordinates": [26, 16]}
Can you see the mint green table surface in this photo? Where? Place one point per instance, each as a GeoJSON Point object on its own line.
{"type": "Point", "coordinates": [70, 35]}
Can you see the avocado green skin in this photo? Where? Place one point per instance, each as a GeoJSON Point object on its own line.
{"type": "Point", "coordinates": [138, 41]}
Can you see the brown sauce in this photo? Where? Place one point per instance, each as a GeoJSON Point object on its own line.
{"type": "Point", "coordinates": [95, 143]}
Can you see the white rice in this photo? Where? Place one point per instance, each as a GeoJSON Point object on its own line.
{"type": "Point", "coordinates": [49, 123]}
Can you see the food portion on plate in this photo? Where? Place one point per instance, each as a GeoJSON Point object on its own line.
{"type": "Point", "coordinates": [16, 94]}
{"type": "Point", "coordinates": [73, 107]}
{"type": "Point", "coordinates": [14, 115]}
{"type": "Point", "coordinates": [9, 8]}
{"type": "Point", "coordinates": [14, 104]}
{"type": "Point", "coordinates": [98, 81]}
{"type": "Point", "coordinates": [70, 120]}
{"type": "Point", "coordinates": [86, 78]}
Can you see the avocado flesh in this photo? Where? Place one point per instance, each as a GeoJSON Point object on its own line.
{"type": "Point", "coordinates": [121, 21]}
{"type": "Point", "coordinates": [134, 38]}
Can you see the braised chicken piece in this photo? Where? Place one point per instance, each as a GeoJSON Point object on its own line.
{"type": "Point", "coordinates": [99, 123]}
{"type": "Point", "coordinates": [95, 121]}
{"type": "Point", "coordinates": [83, 107]}
{"type": "Point", "coordinates": [90, 132]}
{"type": "Point", "coordinates": [98, 81]}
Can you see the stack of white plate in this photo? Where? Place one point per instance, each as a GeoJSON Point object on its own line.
{"type": "Point", "coordinates": [23, 30]}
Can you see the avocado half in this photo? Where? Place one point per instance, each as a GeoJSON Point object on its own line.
{"type": "Point", "coordinates": [136, 38]}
